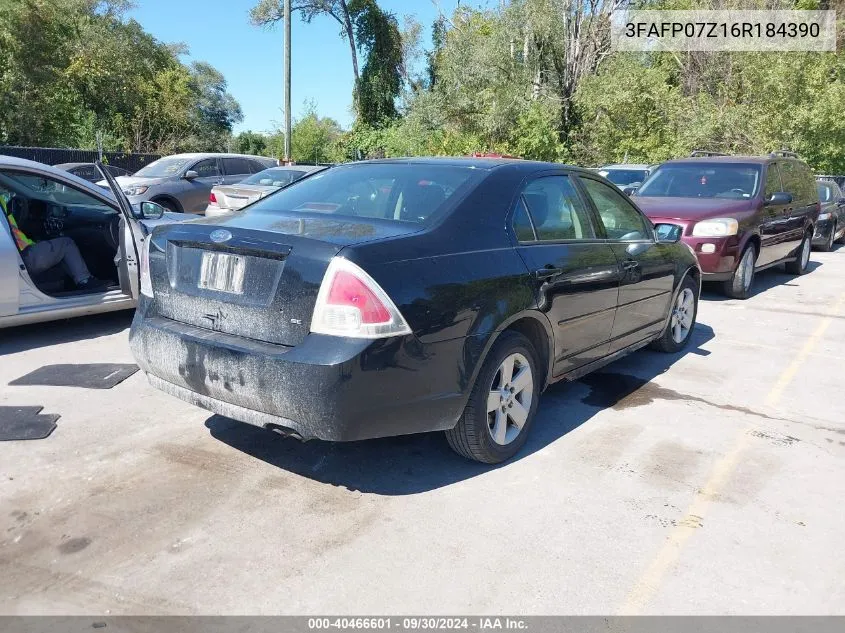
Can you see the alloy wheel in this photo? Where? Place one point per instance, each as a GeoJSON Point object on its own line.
{"type": "Point", "coordinates": [805, 253]}
{"type": "Point", "coordinates": [509, 400]}
{"type": "Point", "coordinates": [682, 315]}
{"type": "Point", "coordinates": [747, 268]}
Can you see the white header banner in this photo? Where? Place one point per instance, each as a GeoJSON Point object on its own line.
{"type": "Point", "coordinates": [715, 31]}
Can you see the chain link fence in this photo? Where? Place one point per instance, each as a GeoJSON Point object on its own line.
{"type": "Point", "coordinates": [60, 155]}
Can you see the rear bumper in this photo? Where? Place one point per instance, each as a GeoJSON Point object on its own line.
{"type": "Point", "coordinates": [326, 388]}
{"type": "Point", "coordinates": [214, 211]}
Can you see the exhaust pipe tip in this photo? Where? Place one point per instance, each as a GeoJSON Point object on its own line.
{"type": "Point", "coordinates": [284, 431]}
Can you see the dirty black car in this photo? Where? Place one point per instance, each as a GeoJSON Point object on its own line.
{"type": "Point", "coordinates": [402, 296]}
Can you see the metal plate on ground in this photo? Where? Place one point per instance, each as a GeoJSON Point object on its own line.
{"type": "Point", "coordinates": [26, 423]}
{"type": "Point", "coordinates": [89, 376]}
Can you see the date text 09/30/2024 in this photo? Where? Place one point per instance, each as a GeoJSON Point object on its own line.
{"type": "Point", "coordinates": [418, 623]}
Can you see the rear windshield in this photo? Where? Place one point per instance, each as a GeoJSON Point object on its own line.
{"type": "Point", "coordinates": [703, 180]}
{"type": "Point", "coordinates": [274, 177]}
{"type": "Point", "coordinates": [404, 192]}
{"type": "Point", "coordinates": [624, 176]}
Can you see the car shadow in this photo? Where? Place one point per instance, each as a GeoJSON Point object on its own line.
{"type": "Point", "coordinates": [763, 281]}
{"type": "Point", "coordinates": [413, 464]}
{"type": "Point", "coordinates": [27, 337]}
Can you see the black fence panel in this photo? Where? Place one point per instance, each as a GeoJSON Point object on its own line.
{"type": "Point", "coordinates": [58, 155]}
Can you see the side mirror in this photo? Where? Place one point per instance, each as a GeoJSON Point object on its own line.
{"type": "Point", "coordinates": [190, 175]}
{"type": "Point", "coordinates": [781, 197]}
{"type": "Point", "coordinates": [151, 211]}
{"type": "Point", "coordinates": [630, 191]}
{"type": "Point", "coordinates": [668, 233]}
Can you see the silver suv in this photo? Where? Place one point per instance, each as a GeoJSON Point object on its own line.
{"type": "Point", "coordinates": [183, 182]}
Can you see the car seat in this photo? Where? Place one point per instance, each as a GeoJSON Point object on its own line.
{"type": "Point", "coordinates": [421, 200]}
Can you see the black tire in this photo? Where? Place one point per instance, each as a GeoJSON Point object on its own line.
{"type": "Point", "coordinates": [169, 205]}
{"type": "Point", "coordinates": [828, 245]}
{"type": "Point", "coordinates": [740, 284]}
{"type": "Point", "coordinates": [798, 266]}
{"type": "Point", "coordinates": [472, 436]}
{"type": "Point", "coordinates": [667, 343]}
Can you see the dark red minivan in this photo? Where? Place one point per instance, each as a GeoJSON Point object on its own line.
{"type": "Point", "coordinates": [740, 214]}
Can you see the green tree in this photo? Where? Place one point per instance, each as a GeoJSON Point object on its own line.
{"type": "Point", "coordinates": [378, 35]}
{"type": "Point", "coordinates": [314, 138]}
{"type": "Point", "coordinates": [250, 142]}
{"type": "Point", "coordinates": [75, 70]}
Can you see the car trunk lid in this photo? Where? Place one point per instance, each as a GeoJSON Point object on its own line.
{"type": "Point", "coordinates": [256, 277]}
{"type": "Point", "coordinates": [237, 196]}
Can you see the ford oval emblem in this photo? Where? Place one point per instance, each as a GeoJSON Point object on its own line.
{"type": "Point", "coordinates": [220, 235]}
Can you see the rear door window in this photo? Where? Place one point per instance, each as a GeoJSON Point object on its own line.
{"type": "Point", "coordinates": [236, 167]}
{"type": "Point", "coordinates": [88, 172]}
{"type": "Point", "coordinates": [557, 211]}
{"type": "Point", "coordinates": [256, 166]}
{"type": "Point", "coordinates": [206, 168]}
{"type": "Point", "coordinates": [799, 181]}
{"type": "Point", "coordinates": [773, 181]}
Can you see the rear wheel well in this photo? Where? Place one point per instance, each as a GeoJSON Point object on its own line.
{"type": "Point", "coordinates": [536, 333]}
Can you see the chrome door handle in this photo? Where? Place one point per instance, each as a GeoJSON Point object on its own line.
{"type": "Point", "coordinates": [548, 273]}
{"type": "Point", "coordinates": [630, 264]}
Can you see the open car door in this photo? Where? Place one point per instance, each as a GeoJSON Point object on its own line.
{"type": "Point", "coordinates": [132, 237]}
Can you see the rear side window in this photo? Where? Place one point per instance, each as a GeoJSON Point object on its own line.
{"type": "Point", "coordinates": [207, 167]}
{"type": "Point", "coordinates": [89, 172]}
{"type": "Point", "coordinates": [620, 218]}
{"type": "Point", "coordinates": [236, 167]}
{"type": "Point", "coordinates": [404, 192]}
{"type": "Point", "coordinates": [556, 209]}
{"type": "Point", "coordinates": [522, 223]}
{"type": "Point", "coordinates": [256, 166]}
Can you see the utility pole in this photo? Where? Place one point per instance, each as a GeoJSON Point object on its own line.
{"type": "Point", "coordinates": [287, 81]}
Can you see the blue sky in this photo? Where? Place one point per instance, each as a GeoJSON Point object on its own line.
{"type": "Point", "coordinates": [251, 58]}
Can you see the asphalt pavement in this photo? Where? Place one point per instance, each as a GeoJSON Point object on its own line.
{"type": "Point", "coordinates": [708, 482]}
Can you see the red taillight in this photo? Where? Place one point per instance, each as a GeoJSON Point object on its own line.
{"type": "Point", "coordinates": [348, 290]}
{"type": "Point", "coordinates": [212, 198]}
{"type": "Point", "coordinates": [350, 303]}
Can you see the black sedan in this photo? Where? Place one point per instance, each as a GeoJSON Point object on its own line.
{"type": "Point", "coordinates": [831, 225]}
{"type": "Point", "coordinates": [401, 296]}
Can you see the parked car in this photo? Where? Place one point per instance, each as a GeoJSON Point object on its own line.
{"type": "Point", "coordinates": [831, 225]}
{"type": "Point", "coordinates": [740, 214]}
{"type": "Point", "coordinates": [89, 171]}
{"type": "Point", "coordinates": [47, 202]}
{"type": "Point", "coordinates": [625, 175]}
{"type": "Point", "coordinates": [227, 198]}
{"type": "Point", "coordinates": [182, 182]}
{"type": "Point", "coordinates": [400, 296]}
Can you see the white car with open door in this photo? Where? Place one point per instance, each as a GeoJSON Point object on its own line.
{"type": "Point", "coordinates": [47, 203]}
